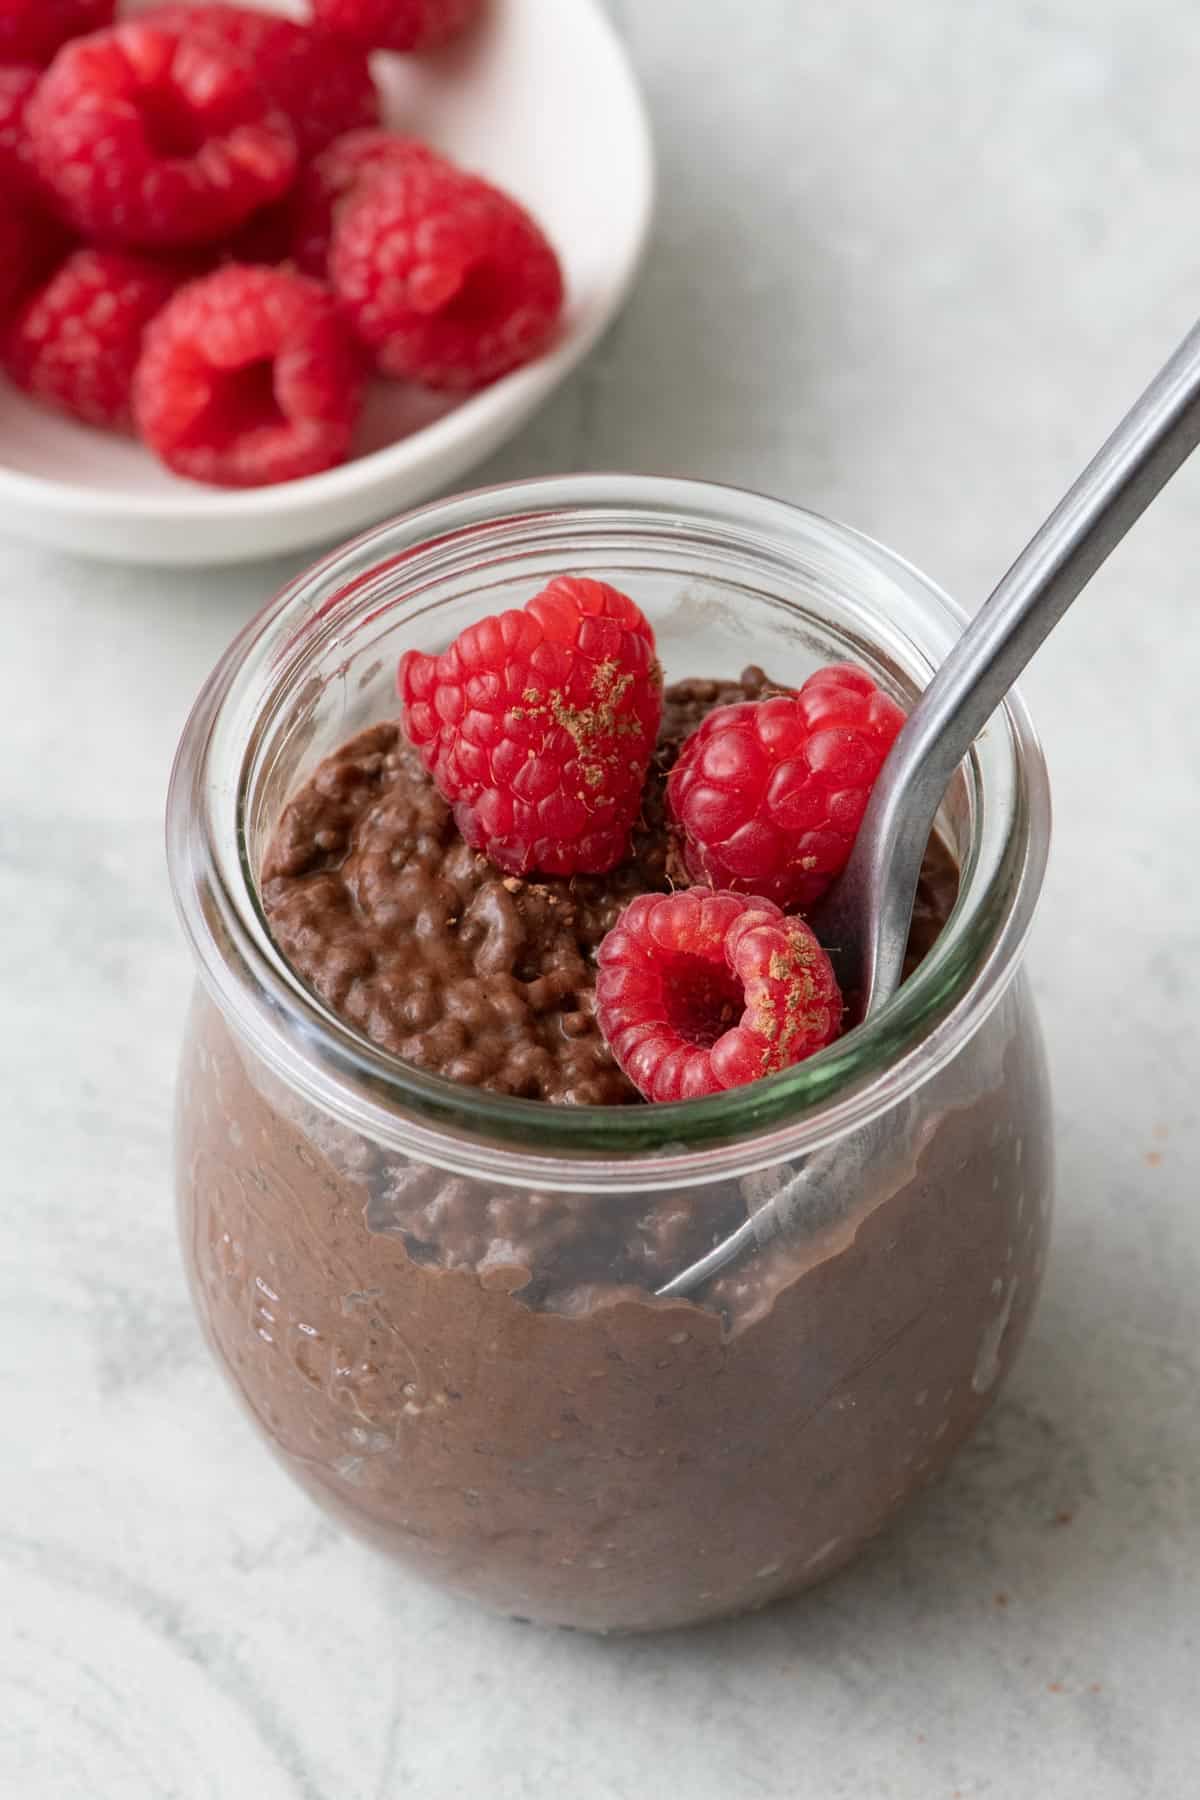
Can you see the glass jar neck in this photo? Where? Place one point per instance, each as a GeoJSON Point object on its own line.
{"type": "Point", "coordinates": [256, 729]}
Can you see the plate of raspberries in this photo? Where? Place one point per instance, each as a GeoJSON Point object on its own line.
{"type": "Point", "coordinates": [270, 272]}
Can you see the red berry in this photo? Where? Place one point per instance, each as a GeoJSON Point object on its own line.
{"type": "Point", "coordinates": [446, 279]}
{"type": "Point", "coordinates": [322, 83]}
{"type": "Point", "coordinates": [326, 183]}
{"type": "Point", "coordinates": [769, 794]}
{"type": "Point", "coordinates": [700, 991]}
{"type": "Point", "coordinates": [18, 172]}
{"type": "Point", "coordinates": [538, 727]}
{"type": "Point", "coordinates": [32, 30]}
{"type": "Point", "coordinates": [76, 341]}
{"type": "Point", "coordinates": [396, 24]}
{"type": "Point", "coordinates": [29, 244]}
{"type": "Point", "coordinates": [148, 138]}
{"type": "Point", "coordinates": [248, 376]}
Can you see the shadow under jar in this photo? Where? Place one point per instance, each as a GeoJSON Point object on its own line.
{"type": "Point", "coordinates": [442, 1305]}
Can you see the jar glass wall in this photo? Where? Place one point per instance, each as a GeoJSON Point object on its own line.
{"type": "Point", "coordinates": [620, 1367]}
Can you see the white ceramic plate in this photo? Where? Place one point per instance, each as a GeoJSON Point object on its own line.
{"type": "Point", "coordinates": [542, 100]}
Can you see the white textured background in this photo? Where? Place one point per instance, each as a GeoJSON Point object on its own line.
{"type": "Point", "coordinates": [912, 262]}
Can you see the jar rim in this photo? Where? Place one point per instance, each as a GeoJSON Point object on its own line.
{"type": "Point", "coordinates": [526, 1142]}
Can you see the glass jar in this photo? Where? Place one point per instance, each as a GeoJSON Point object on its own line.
{"type": "Point", "coordinates": [629, 1367]}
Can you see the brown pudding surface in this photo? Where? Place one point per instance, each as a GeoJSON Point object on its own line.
{"type": "Point", "coordinates": [424, 946]}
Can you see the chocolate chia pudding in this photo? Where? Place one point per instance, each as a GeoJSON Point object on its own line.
{"type": "Point", "coordinates": [473, 975]}
{"type": "Point", "coordinates": [480, 1377]}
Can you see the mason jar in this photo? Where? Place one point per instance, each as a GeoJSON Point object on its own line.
{"type": "Point", "coordinates": [623, 1367]}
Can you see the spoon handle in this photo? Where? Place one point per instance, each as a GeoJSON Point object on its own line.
{"type": "Point", "coordinates": [1154, 438]}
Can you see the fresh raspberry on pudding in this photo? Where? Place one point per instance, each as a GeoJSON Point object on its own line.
{"type": "Point", "coordinates": [147, 138]}
{"type": "Point", "coordinates": [700, 991]}
{"type": "Point", "coordinates": [396, 24]}
{"type": "Point", "coordinates": [76, 341]}
{"type": "Point", "coordinates": [538, 727]}
{"type": "Point", "coordinates": [249, 376]}
{"type": "Point", "coordinates": [445, 279]}
{"type": "Point", "coordinates": [768, 795]}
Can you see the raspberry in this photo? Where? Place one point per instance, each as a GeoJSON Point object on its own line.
{"type": "Point", "coordinates": [248, 376]}
{"type": "Point", "coordinates": [18, 173]}
{"type": "Point", "coordinates": [297, 228]}
{"type": "Point", "coordinates": [75, 343]}
{"type": "Point", "coordinates": [27, 248]}
{"type": "Point", "coordinates": [326, 183]}
{"type": "Point", "coordinates": [147, 138]}
{"type": "Point", "coordinates": [769, 794]}
{"type": "Point", "coordinates": [396, 24]}
{"type": "Point", "coordinates": [322, 83]}
{"type": "Point", "coordinates": [445, 279]}
{"type": "Point", "coordinates": [538, 727]}
{"type": "Point", "coordinates": [700, 991]}
{"type": "Point", "coordinates": [32, 30]}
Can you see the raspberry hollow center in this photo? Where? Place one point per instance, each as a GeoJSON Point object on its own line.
{"type": "Point", "coordinates": [245, 400]}
{"type": "Point", "coordinates": [701, 1001]}
{"type": "Point", "coordinates": [170, 124]}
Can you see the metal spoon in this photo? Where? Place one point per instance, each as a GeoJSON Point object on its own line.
{"type": "Point", "coordinates": [867, 911]}
{"type": "Point", "coordinates": [865, 916]}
